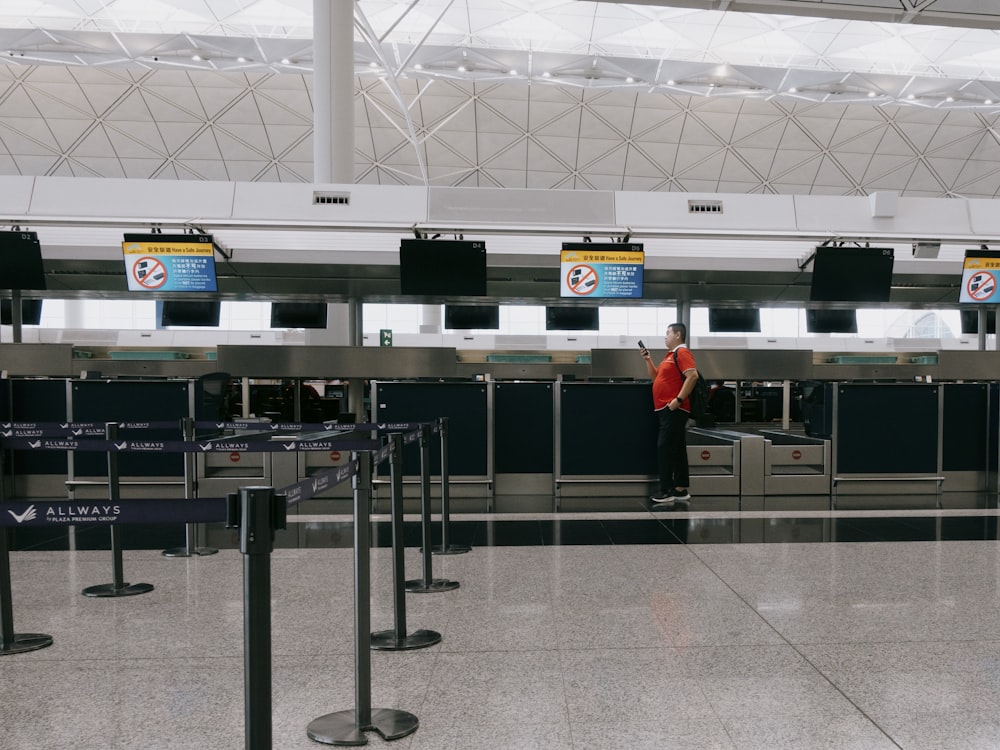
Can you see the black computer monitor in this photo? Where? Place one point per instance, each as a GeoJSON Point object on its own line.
{"type": "Point", "coordinates": [468, 317]}
{"type": "Point", "coordinates": [970, 321]}
{"type": "Point", "coordinates": [831, 321]}
{"type": "Point", "coordinates": [442, 267]}
{"type": "Point", "coordinates": [298, 315]}
{"type": "Point", "coordinates": [733, 320]}
{"type": "Point", "coordinates": [190, 312]}
{"type": "Point", "coordinates": [851, 274]}
{"type": "Point", "coordinates": [572, 319]}
{"type": "Point", "coordinates": [31, 312]}
{"type": "Point", "coordinates": [21, 261]}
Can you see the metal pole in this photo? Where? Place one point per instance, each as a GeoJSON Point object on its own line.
{"type": "Point", "coordinates": [347, 727]}
{"type": "Point", "coordinates": [261, 512]}
{"type": "Point", "coordinates": [428, 584]}
{"type": "Point", "coordinates": [11, 642]}
{"type": "Point", "coordinates": [333, 91]}
{"type": "Point", "coordinates": [190, 493]}
{"type": "Point", "coordinates": [119, 587]}
{"type": "Point", "coordinates": [397, 639]}
{"type": "Point", "coordinates": [446, 547]}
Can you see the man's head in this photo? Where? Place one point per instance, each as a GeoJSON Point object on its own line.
{"type": "Point", "coordinates": [676, 334]}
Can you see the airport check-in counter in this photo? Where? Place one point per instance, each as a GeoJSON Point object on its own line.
{"type": "Point", "coordinates": [909, 438]}
{"type": "Point", "coordinates": [795, 464]}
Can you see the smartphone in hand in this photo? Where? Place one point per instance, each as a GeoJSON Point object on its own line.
{"type": "Point", "coordinates": [642, 348]}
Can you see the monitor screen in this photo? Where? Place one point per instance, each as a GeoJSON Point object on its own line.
{"type": "Point", "coordinates": [442, 267]}
{"type": "Point", "coordinates": [468, 317]}
{"type": "Point", "coordinates": [170, 262]}
{"type": "Point", "coordinates": [572, 319]}
{"type": "Point", "coordinates": [851, 274]}
{"type": "Point", "coordinates": [733, 320]}
{"type": "Point", "coordinates": [298, 315]}
{"type": "Point", "coordinates": [189, 313]}
{"type": "Point", "coordinates": [970, 321]}
{"type": "Point", "coordinates": [21, 261]}
{"type": "Point", "coordinates": [979, 277]}
{"type": "Point", "coordinates": [831, 321]}
{"type": "Point", "coordinates": [605, 270]}
{"type": "Point", "coordinates": [31, 312]}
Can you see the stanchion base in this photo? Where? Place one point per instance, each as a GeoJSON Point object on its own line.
{"type": "Point", "coordinates": [453, 549]}
{"type": "Point", "coordinates": [437, 584]}
{"type": "Point", "coordinates": [386, 640]}
{"type": "Point", "coordinates": [26, 642]}
{"type": "Point", "coordinates": [108, 589]}
{"type": "Point", "coordinates": [341, 728]}
{"type": "Point", "coordinates": [183, 551]}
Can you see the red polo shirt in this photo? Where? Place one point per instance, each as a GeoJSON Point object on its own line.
{"type": "Point", "coordinates": [668, 382]}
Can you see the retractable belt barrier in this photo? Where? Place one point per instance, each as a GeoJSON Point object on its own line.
{"type": "Point", "coordinates": [257, 512]}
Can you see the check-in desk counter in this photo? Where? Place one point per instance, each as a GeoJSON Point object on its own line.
{"type": "Point", "coordinates": [910, 438]}
{"type": "Point", "coordinates": [468, 407]}
{"type": "Point", "coordinates": [795, 464]}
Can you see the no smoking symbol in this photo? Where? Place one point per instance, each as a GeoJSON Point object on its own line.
{"type": "Point", "coordinates": [981, 286]}
{"type": "Point", "coordinates": [582, 279]}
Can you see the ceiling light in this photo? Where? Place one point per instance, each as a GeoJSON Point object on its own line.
{"type": "Point", "coordinates": [950, 99]}
{"type": "Point", "coordinates": [671, 82]}
{"type": "Point", "coordinates": [630, 79]}
{"type": "Point", "coordinates": [196, 58]}
{"type": "Point", "coordinates": [373, 64]}
{"type": "Point", "coordinates": [241, 59]}
{"type": "Point", "coordinates": [285, 61]}
{"type": "Point", "coordinates": [872, 94]}
{"type": "Point", "coordinates": [461, 68]}
{"type": "Point", "coordinates": [418, 66]}
{"type": "Point", "coordinates": [546, 74]}
{"type": "Point", "coordinates": [512, 72]}
{"type": "Point", "coordinates": [988, 101]}
{"type": "Point", "coordinates": [911, 97]}
{"type": "Point", "coordinates": [793, 90]}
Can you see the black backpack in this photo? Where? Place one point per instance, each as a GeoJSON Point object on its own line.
{"type": "Point", "coordinates": [699, 400]}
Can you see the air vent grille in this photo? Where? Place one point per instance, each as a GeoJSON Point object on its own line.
{"type": "Point", "coordinates": [704, 207]}
{"type": "Point", "coordinates": [321, 198]}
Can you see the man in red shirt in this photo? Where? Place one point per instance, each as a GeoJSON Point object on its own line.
{"type": "Point", "coordinates": [673, 382]}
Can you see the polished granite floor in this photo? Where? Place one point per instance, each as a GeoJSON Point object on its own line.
{"type": "Point", "coordinates": [633, 630]}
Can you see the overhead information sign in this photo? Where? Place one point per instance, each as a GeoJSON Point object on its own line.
{"type": "Point", "coordinates": [979, 277]}
{"type": "Point", "coordinates": [170, 262]}
{"type": "Point", "coordinates": [601, 271]}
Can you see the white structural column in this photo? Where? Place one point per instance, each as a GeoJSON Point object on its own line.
{"type": "Point", "coordinates": [333, 91]}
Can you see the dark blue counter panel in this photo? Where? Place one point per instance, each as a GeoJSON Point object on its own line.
{"type": "Point", "coordinates": [38, 401]}
{"type": "Point", "coordinates": [965, 430]}
{"type": "Point", "coordinates": [887, 428]}
{"type": "Point", "coordinates": [607, 429]}
{"type": "Point", "coordinates": [523, 428]}
{"type": "Point", "coordinates": [132, 401]}
{"type": "Point", "coordinates": [465, 406]}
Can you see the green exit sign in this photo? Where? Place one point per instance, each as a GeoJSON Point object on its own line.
{"type": "Point", "coordinates": [385, 337]}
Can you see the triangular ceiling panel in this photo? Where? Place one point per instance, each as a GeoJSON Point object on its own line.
{"type": "Point", "coordinates": [706, 168]}
{"type": "Point", "coordinates": [821, 130]}
{"type": "Point", "coordinates": [642, 163]}
{"type": "Point", "coordinates": [173, 104]}
{"type": "Point", "coordinates": [241, 142]}
{"type": "Point", "coordinates": [176, 135]}
{"type": "Point", "coordinates": [135, 140]}
{"type": "Point", "coordinates": [93, 144]}
{"type": "Point", "coordinates": [98, 167]}
{"type": "Point", "coordinates": [831, 174]}
{"type": "Point", "coordinates": [66, 132]}
{"type": "Point", "coordinates": [203, 146]}
{"type": "Point", "coordinates": [591, 149]}
{"type": "Point", "coordinates": [513, 156]}
{"type": "Point", "coordinates": [540, 156]}
{"type": "Point", "coordinates": [925, 180]}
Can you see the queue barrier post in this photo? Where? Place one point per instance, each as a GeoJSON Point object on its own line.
{"type": "Point", "coordinates": [11, 642]}
{"type": "Point", "coordinates": [257, 512]}
{"type": "Point", "coordinates": [428, 584]}
{"type": "Point", "coordinates": [446, 548]}
{"type": "Point", "coordinates": [118, 587]}
{"type": "Point", "coordinates": [397, 638]}
{"type": "Point", "coordinates": [348, 727]}
{"type": "Point", "coordinates": [191, 530]}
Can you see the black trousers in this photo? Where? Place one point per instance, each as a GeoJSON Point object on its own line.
{"type": "Point", "coordinates": [671, 449]}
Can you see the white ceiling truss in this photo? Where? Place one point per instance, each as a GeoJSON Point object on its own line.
{"type": "Point", "coordinates": [556, 94]}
